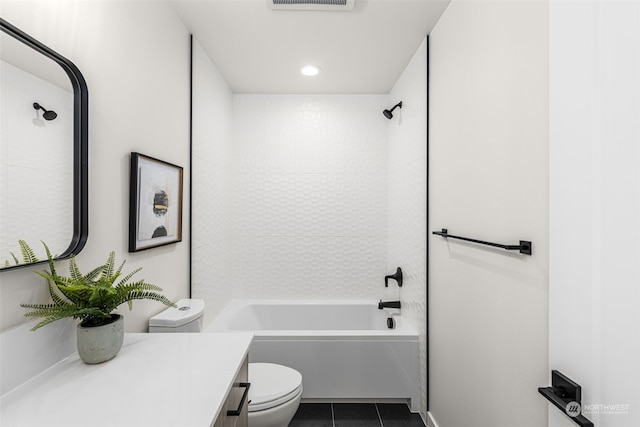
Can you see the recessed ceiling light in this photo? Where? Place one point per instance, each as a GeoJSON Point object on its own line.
{"type": "Point", "coordinates": [310, 70]}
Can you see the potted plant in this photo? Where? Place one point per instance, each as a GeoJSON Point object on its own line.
{"type": "Point", "coordinates": [92, 298]}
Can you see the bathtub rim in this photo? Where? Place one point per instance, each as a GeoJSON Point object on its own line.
{"type": "Point", "coordinates": [403, 331]}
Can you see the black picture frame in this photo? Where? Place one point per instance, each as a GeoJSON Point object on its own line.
{"type": "Point", "coordinates": [155, 203]}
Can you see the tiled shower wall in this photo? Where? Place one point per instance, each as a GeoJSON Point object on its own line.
{"type": "Point", "coordinates": [408, 198]}
{"type": "Point", "coordinates": [309, 196]}
{"type": "Point", "coordinates": [212, 183]}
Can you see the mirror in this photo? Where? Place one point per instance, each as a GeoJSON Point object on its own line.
{"type": "Point", "coordinates": [43, 150]}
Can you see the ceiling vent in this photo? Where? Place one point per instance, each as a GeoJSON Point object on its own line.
{"type": "Point", "coordinates": [331, 5]}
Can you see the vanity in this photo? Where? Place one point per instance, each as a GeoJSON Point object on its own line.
{"type": "Point", "coordinates": [159, 380]}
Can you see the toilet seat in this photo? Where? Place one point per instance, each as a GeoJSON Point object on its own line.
{"type": "Point", "coordinates": [272, 385]}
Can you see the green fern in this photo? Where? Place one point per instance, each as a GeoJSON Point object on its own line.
{"type": "Point", "coordinates": [28, 255]}
{"type": "Point", "coordinates": [91, 297]}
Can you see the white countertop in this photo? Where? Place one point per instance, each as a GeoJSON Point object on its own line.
{"type": "Point", "coordinates": [159, 380]}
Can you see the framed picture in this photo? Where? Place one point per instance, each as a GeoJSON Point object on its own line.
{"type": "Point", "coordinates": [155, 203]}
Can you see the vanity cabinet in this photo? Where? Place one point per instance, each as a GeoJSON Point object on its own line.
{"type": "Point", "coordinates": [234, 412]}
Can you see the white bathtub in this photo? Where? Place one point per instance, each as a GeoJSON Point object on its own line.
{"type": "Point", "coordinates": [343, 349]}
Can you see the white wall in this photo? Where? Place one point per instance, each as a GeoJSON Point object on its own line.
{"type": "Point", "coordinates": [488, 180]}
{"type": "Point", "coordinates": [212, 153]}
{"type": "Point", "coordinates": [407, 199]}
{"type": "Point", "coordinates": [135, 59]}
{"type": "Point", "coordinates": [595, 207]}
{"type": "Point", "coordinates": [310, 205]}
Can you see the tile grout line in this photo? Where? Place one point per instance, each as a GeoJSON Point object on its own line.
{"type": "Point", "coordinates": [379, 417]}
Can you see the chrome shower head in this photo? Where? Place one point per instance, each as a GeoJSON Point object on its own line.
{"type": "Point", "coordinates": [389, 113]}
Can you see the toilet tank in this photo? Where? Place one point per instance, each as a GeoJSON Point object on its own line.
{"type": "Point", "coordinates": [186, 317]}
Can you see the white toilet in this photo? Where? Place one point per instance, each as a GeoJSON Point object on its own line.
{"type": "Point", "coordinates": [275, 391]}
{"type": "Point", "coordinates": [274, 395]}
{"type": "Point", "coordinates": [187, 317]}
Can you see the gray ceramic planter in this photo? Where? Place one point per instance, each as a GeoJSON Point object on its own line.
{"type": "Point", "coordinates": [97, 344]}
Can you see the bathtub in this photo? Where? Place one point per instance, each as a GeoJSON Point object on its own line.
{"type": "Point", "coordinates": [343, 349]}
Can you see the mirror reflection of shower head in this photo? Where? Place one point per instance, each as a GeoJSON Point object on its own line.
{"type": "Point", "coordinates": [388, 113]}
{"type": "Point", "coordinates": [48, 114]}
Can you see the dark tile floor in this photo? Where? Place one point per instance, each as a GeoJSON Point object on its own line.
{"type": "Point", "coordinates": [355, 415]}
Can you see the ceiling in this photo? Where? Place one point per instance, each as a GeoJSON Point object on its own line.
{"type": "Point", "coordinates": [259, 50]}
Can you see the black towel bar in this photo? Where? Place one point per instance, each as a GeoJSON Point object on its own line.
{"type": "Point", "coordinates": [524, 247]}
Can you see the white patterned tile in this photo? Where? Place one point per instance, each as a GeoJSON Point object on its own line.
{"type": "Point", "coordinates": [280, 142]}
{"type": "Point", "coordinates": [248, 141]}
{"type": "Point", "coordinates": [372, 266]}
{"type": "Point", "coordinates": [213, 202]}
{"type": "Point", "coordinates": [342, 268]}
{"type": "Point", "coordinates": [212, 138]}
{"type": "Point", "coordinates": [407, 203]}
{"type": "Point", "coordinates": [311, 264]}
{"type": "Point", "coordinates": [280, 102]}
{"type": "Point", "coordinates": [311, 142]}
{"type": "Point", "coordinates": [311, 102]}
{"type": "Point", "coordinates": [372, 205]}
{"type": "Point", "coordinates": [279, 216]}
{"type": "Point", "coordinates": [406, 160]}
{"type": "Point", "coordinates": [296, 102]}
{"type": "Point", "coordinates": [248, 206]}
{"type": "Point", "coordinates": [248, 267]}
{"type": "Point", "coordinates": [212, 275]}
{"type": "Point", "coordinates": [342, 208]}
{"type": "Point", "coordinates": [343, 132]}
{"type": "Point", "coordinates": [375, 103]}
{"type": "Point", "coordinates": [346, 102]}
{"type": "Point", "coordinates": [372, 146]}
{"type": "Point", "coordinates": [28, 210]}
{"type": "Point", "coordinates": [278, 271]}
{"type": "Point", "coordinates": [311, 205]}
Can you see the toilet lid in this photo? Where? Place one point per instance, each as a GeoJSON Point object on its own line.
{"type": "Point", "coordinates": [272, 385]}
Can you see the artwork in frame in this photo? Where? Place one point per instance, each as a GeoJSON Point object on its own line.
{"type": "Point", "coordinates": [155, 203]}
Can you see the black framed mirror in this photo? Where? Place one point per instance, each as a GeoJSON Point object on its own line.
{"type": "Point", "coordinates": [43, 150]}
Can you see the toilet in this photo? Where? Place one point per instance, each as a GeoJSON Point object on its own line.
{"type": "Point", "coordinates": [186, 317]}
{"type": "Point", "coordinates": [274, 395]}
{"type": "Point", "coordinates": [275, 391]}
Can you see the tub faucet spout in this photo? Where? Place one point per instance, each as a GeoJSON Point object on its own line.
{"type": "Point", "coordinates": [397, 277]}
{"type": "Point", "coordinates": [388, 304]}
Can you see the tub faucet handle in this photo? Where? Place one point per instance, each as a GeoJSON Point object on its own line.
{"type": "Point", "coordinates": [397, 277]}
